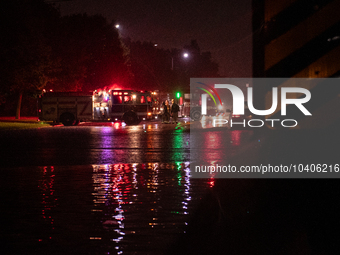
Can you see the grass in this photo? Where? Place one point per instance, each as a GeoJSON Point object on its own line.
{"type": "Point", "coordinates": [23, 125]}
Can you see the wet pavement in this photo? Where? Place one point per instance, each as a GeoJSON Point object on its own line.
{"type": "Point", "coordinates": [98, 188]}
{"type": "Point", "coordinates": [114, 189]}
{"type": "Point", "coordinates": [98, 209]}
{"type": "Point", "coordinates": [96, 143]}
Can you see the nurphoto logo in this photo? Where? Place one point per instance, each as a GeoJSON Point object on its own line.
{"type": "Point", "coordinates": [263, 127]}
{"type": "Point", "coordinates": [277, 99]}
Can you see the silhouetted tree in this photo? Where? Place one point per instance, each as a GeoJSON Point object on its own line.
{"type": "Point", "coordinates": [25, 52]}
{"type": "Point", "coordinates": [38, 49]}
{"type": "Point", "coordinates": [199, 64]}
{"type": "Point", "coordinates": [150, 65]}
{"type": "Point", "coordinates": [91, 54]}
{"type": "Point", "coordinates": [167, 70]}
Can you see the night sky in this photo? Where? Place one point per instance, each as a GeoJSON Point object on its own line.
{"type": "Point", "coordinates": [221, 27]}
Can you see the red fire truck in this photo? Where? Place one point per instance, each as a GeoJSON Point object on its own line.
{"type": "Point", "coordinates": [70, 108]}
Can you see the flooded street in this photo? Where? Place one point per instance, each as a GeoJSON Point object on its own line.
{"type": "Point", "coordinates": [96, 144]}
{"type": "Point", "coordinates": [104, 189]}
{"type": "Point", "coordinates": [98, 209]}
{"type": "Point", "coordinates": [113, 189]}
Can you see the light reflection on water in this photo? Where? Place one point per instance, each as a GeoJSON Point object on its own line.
{"type": "Point", "coordinates": [130, 208]}
{"type": "Point", "coordinates": [221, 120]}
{"type": "Point", "coordinates": [49, 201]}
{"type": "Point", "coordinates": [218, 146]}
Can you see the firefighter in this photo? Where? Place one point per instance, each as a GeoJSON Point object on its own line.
{"type": "Point", "coordinates": [166, 112]}
{"type": "Point", "coordinates": [174, 111]}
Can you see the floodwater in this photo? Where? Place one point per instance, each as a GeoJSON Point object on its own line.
{"type": "Point", "coordinates": [129, 190]}
{"type": "Point", "coordinates": [105, 189]}
{"type": "Point", "coordinates": [140, 208]}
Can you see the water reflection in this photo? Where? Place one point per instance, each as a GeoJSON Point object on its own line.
{"type": "Point", "coordinates": [217, 145]}
{"type": "Point", "coordinates": [221, 120]}
{"type": "Point", "coordinates": [142, 206]}
{"type": "Point", "coordinates": [49, 201]}
{"type": "Point", "coordinates": [236, 137]}
{"type": "Point", "coordinates": [139, 208]}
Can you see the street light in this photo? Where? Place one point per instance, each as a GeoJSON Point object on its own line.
{"type": "Point", "coordinates": [117, 26]}
{"type": "Point", "coordinates": [185, 55]}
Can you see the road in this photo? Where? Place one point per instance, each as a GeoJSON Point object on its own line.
{"type": "Point", "coordinates": [113, 189]}
{"type": "Point", "coordinates": [96, 144]}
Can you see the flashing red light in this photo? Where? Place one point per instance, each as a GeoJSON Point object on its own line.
{"type": "Point", "coordinates": [120, 93]}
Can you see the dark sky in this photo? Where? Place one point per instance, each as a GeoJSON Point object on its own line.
{"type": "Point", "coordinates": [221, 27]}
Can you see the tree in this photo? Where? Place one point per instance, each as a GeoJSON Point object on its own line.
{"type": "Point", "coordinates": [150, 66]}
{"type": "Point", "coordinates": [199, 64]}
{"type": "Point", "coordinates": [166, 70]}
{"type": "Point", "coordinates": [91, 54]}
{"type": "Point", "coordinates": [25, 52]}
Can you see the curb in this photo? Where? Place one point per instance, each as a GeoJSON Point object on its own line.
{"type": "Point", "coordinates": [24, 120]}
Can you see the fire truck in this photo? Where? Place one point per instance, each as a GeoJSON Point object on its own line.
{"type": "Point", "coordinates": [70, 108]}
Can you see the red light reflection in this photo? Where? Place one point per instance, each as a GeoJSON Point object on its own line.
{"type": "Point", "coordinates": [236, 137]}
{"type": "Point", "coordinates": [48, 199]}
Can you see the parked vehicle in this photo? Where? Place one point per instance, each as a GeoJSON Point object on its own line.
{"type": "Point", "coordinates": [70, 108]}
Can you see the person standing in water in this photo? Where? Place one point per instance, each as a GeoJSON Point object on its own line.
{"type": "Point", "coordinates": [174, 111]}
{"type": "Point", "coordinates": [166, 111]}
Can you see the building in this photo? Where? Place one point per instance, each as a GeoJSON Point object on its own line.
{"type": "Point", "coordinates": [298, 39]}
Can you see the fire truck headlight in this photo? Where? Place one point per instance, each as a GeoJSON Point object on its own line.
{"type": "Point", "coordinates": [134, 97]}
{"type": "Point", "coordinates": [149, 113]}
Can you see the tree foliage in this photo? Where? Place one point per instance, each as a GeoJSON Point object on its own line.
{"type": "Point", "coordinates": [40, 49]}
{"type": "Point", "coordinates": [91, 54]}
{"type": "Point", "coordinates": [167, 70]}
{"type": "Point", "coordinates": [25, 51]}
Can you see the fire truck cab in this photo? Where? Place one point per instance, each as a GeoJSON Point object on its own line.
{"type": "Point", "coordinates": [129, 106]}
